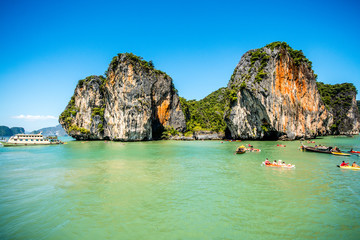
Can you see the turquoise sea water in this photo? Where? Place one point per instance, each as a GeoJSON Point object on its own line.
{"type": "Point", "coordinates": [177, 190]}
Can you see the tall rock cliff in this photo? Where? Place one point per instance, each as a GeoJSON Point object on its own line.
{"type": "Point", "coordinates": [276, 96]}
{"type": "Point", "coordinates": [134, 102]}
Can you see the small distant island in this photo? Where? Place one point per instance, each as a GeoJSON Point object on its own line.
{"type": "Point", "coordinates": [49, 131]}
{"type": "Point", "coordinates": [6, 131]}
{"type": "Point", "coordinates": [52, 131]}
{"type": "Point", "coordinates": [272, 94]}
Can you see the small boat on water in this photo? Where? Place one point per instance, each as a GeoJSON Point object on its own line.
{"type": "Point", "coordinates": [278, 166]}
{"type": "Point", "coordinates": [240, 150]}
{"type": "Point", "coordinates": [322, 149]}
{"type": "Point", "coordinates": [316, 149]}
{"type": "Point", "coordinates": [352, 151]}
{"type": "Point", "coordinates": [349, 167]}
{"type": "Point", "coordinates": [30, 140]}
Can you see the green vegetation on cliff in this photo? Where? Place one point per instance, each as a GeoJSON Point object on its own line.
{"type": "Point", "coordinates": [338, 99]}
{"type": "Point", "coordinates": [86, 80]}
{"type": "Point", "coordinates": [336, 95]}
{"type": "Point", "coordinates": [136, 60]}
{"type": "Point", "coordinates": [263, 57]}
{"type": "Point", "coordinates": [297, 55]}
{"type": "Point", "coordinates": [358, 104]}
{"type": "Point", "coordinates": [209, 112]}
{"type": "Point", "coordinates": [70, 111]}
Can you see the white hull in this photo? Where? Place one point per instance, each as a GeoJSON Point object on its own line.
{"type": "Point", "coordinates": [7, 144]}
{"type": "Point", "coordinates": [30, 140]}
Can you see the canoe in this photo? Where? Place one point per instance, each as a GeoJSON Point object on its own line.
{"type": "Point", "coordinates": [340, 154]}
{"type": "Point", "coordinates": [349, 167]}
{"type": "Point", "coordinates": [241, 150]}
{"type": "Point", "coordinates": [278, 166]}
{"type": "Point", "coordinates": [354, 151]}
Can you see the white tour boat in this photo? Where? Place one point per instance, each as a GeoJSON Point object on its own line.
{"type": "Point", "coordinates": [30, 139]}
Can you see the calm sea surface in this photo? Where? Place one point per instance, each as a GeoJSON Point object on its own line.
{"type": "Point", "coordinates": [177, 190]}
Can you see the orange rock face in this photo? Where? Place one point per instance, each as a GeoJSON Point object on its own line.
{"type": "Point", "coordinates": [292, 108]}
{"type": "Point", "coordinates": [163, 112]}
{"type": "Point", "coordinates": [291, 82]}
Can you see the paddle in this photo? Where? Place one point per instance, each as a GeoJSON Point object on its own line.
{"type": "Point", "coordinates": [338, 166]}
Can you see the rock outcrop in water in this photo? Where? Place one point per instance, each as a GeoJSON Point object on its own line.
{"type": "Point", "coordinates": [134, 102]}
{"type": "Point", "coordinates": [276, 96]}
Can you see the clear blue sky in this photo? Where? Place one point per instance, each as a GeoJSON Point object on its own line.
{"type": "Point", "coordinates": [47, 46]}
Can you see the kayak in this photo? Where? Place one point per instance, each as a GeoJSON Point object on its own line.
{"type": "Point", "coordinates": [340, 154]}
{"type": "Point", "coordinates": [349, 167]}
{"type": "Point", "coordinates": [354, 151]}
{"type": "Point", "coordinates": [279, 166]}
{"type": "Point", "coordinates": [240, 150]}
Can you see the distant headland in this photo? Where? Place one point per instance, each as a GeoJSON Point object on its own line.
{"type": "Point", "coordinates": [6, 131]}
{"type": "Point", "coordinates": [272, 94]}
{"type": "Point", "coordinates": [49, 131]}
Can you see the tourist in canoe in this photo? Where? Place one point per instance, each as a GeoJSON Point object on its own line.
{"type": "Point", "coordinates": [336, 149]}
{"type": "Point", "coordinates": [274, 163]}
{"type": "Point", "coordinates": [355, 165]}
{"type": "Point", "coordinates": [285, 165]}
{"type": "Point", "coordinates": [267, 162]}
{"type": "Point", "coordinates": [343, 164]}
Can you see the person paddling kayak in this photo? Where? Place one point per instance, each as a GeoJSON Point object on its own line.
{"type": "Point", "coordinates": [343, 164]}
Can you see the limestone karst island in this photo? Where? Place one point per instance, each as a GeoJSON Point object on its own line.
{"type": "Point", "coordinates": [272, 94]}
